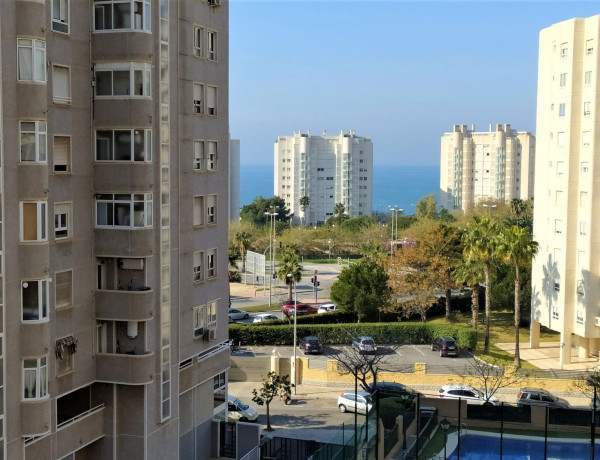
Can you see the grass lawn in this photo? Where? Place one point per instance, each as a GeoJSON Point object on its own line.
{"type": "Point", "coordinates": [502, 330]}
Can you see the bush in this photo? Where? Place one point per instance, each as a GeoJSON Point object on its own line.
{"type": "Point", "coordinates": [391, 408]}
{"type": "Point", "coordinates": [279, 333]}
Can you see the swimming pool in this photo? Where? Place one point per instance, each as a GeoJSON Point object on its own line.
{"type": "Point", "coordinates": [486, 446]}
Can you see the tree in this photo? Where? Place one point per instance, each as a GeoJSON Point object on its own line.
{"type": "Point", "coordinates": [480, 240]}
{"type": "Point", "coordinates": [339, 213]}
{"type": "Point", "coordinates": [273, 386]}
{"type": "Point", "coordinates": [361, 288]}
{"type": "Point", "coordinates": [241, 240]}
{"type": "Point", "coordinates": [492, 375]}
{"type": "Point", "coordinates": [471, 272]}
{"type": "Point", "coordinates": [516, 246]}
{"type": "Point", "coordinates": [255, 211]}
{"type": "Point", "coordinates": [427, 207]}
{"type": "Point", "coordinates": [289, 264]}
{"type": "Point", "coordinates": [304, 203]}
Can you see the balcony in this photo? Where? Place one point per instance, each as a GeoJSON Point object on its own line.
{"type": "Point", "coordinates": [128, 242]}
{"type": "Point", "coordinates": [133, 305]}
{"type": "Point", "coordinates": [35, 417]}
{"type": "Point", "coordinates": [125, 368]}
{"type": "Point", "coordinates": [80, 430]}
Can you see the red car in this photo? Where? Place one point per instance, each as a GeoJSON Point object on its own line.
{"type": "Point", "coordinates": [287, 308]}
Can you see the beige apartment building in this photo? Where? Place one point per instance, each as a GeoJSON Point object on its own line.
{"type": "Point", "coordinates": [479, 165]}
{"type": "Point", "coordinates": [328, 169]}
{"type": "Point", "coordinates": [114, 166]}
{"type": "Point", "coordinates": [565, 290]}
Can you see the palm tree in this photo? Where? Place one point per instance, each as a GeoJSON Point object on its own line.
{"type": "Point", "coordinates": [304, 203]}
{"type": "Point", "coordinates": [241, 240]}
{"type": "Point", "coordinates": [289, 264]}
{"type": "Point", "coordinates": [516, 246]}
{"type": "Point", "coordinates": [479, 241]}
{"type": "Point", "coordinates": [338, 211]}
{"type": "Point", "coordinates": [471, 272]}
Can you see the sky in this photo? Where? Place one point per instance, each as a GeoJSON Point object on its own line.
{"type": "Point", "coordinates": [400, 72]}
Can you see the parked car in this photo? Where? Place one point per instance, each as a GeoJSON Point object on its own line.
{"type": "Point", "coordinates": [262, 317]}
{"type": "Point", "coordinates": [349, 400]}
{"type": "Point", "coordinates": [393, 390]}
{"type": "Point", "coordinates": [446, 345]}
{"type": "Point", "coordinates": [539, 397]}
{"type": "Point", "coordinates": [238, 410]}
{"type": "Point", "coordinates": [326, 308]}
{"type": "Point", "coordinates": [301, 308]}
{"type": "Point", "coordinates": [236, 314]}
{"type": "Point", "coordinates": [364, 345]}
{"type": "Point", "coordinates": [468, 393]}
{"type": "Point", "coordinates": [310, 344]}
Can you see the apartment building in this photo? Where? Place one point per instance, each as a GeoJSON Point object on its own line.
{"type": "Point", "coordinates": [479, 165]}
{"type": "Point", "coordinates": [234, 179]}
{"type": "Point", "coordinates": [113, 117]}
{"type": "Point", "coordinates": [565, 291]}
{"type": "Point", "coordinates": [326, 169]}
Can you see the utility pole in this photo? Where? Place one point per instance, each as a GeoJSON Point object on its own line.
{"type": "Point", "coordinates": [271, 247]}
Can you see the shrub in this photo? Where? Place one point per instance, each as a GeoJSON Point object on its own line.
{"type": "Point", "coordinates": [391, 408]}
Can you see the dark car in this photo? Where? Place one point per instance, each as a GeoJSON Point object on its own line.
{"type": "Point", "coordinates": [364, 345]}
{"type": "Point", "coordinates": [310, 344]}
{"type": "Point", "coordinates": [288, 308]}
{"type": "Point", "coordinates": [447, 346]}
{"type": "Point", "coordinates": [393, 390]}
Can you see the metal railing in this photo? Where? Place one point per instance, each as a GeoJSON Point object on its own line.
{"type": "Point", "coordinates": [254, 454]}
{"type": "Point", "coordinates": [78, 416]}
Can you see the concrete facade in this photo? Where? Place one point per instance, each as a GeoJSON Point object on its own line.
{"type": "Point", "coordinates": [114, 171]}
{"type": "Point", "coordinates": [475, 166]}
{"type": "Point", "coordinates": [326, 169]}
{"type": "Point", "coordinates": [234, 180]}
{"type": "Point", "coordinates": [565, 293]}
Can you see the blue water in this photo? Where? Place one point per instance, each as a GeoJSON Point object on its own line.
{"type": "Point", "coordinates": [400, 186]}
{"type": "Point", "coordinates": [476, 447]}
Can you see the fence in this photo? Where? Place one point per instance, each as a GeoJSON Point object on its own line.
{"type": "Point", "coordinates": [429, 421]}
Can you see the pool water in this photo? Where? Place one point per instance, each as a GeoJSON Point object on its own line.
{"type": "Point", "coordinates": [487, 447]}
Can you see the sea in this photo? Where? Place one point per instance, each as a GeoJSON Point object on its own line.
{"type": "Point", "coordinates": [401, 186]}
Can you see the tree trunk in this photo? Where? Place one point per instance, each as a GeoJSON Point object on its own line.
{"type": "Point", "coordinates": [475, 304]}
{"type": "Point", "coordinates": [486, 343]}
{"type": "Point", "coordinates": [517, 315]}
{"type": "Point", "coordinates": [243, 262]}
{"type": "Point", "coordinates": [290, 290]}
{"type": "Point", "coordinates": [448, 302]}
{"type": "Point", "coordinates": [268, 419]}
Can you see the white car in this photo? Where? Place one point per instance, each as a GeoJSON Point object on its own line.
{"type": "Point", "coordinates": [349, 400]}
{"type": "Point", "coordinates": [326, 308]}
{"type": "Point", "coordinates": [235, 314]}
{"type": "Point", "coordinates": [262, 317]}
{"type": "Point", "coordinates": [468, 393]}
{"type": "Point", "coordinates": [237, 410]}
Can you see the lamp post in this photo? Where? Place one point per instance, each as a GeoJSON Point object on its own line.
{"type": "Point", "coordinates": [329, 242]}
{"type": "Point", "coordinates": [489, 207]}
{"type": "Point", "coordinates": [291, 277]}
{"type": "Point", "coordinates": [445, 425]}
{"type": "Point", "coordinates": [591, 381]}
{"type": "Point", "coordinates": [271, 244]}
{"type": "Point", "coordinates": [394, 210]}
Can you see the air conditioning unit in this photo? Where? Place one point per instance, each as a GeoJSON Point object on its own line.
{"type": "Point", "coordinates": [214, 2]}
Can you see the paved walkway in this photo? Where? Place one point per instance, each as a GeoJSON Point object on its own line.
{"type": "Point", "coordinates": [548, 356]}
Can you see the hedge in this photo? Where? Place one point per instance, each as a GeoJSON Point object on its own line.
{"type": "Point", "coordinates": [335, 334]}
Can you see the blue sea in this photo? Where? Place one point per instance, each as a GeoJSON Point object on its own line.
{"type": "Point", "coordinates": [400, 186]}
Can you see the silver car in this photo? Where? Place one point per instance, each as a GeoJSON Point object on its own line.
{"type": "Point", "coordinates": [349, 400]}
{"type": "Point", "coordinates": [539, 397]}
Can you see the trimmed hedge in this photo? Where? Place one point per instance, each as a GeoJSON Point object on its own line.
{"type": "Point", "coordinates": [392, 333]}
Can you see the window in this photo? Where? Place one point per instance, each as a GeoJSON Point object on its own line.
{"type": "Point", "coordinates": [198, 155]}
{"type": "Point", "coordinates": [585, 138]}
{"type": "Point", "coordinates": [211, 263]}
{"type": "Point", "coordinates": [589, 47]}
{"type": "Point", "coordinates": [558, 226]}
{"type": "Point", "coordinates": [33, 141]}
{"type": "Point", "coordinates": [558, 201]}
{"type": "Point", "coordinates": [198, 41]}
{"type": "Point", "coordinates": [582, 228]}
{"type": "Point", "coordinates": [198, 216]}
{"type": "Point", "coordinates": [564, 50]}
{"type": "Point", "coordinates": [117, 15]}
{"type": "Point", "coordinates": [127, 79]}
{"type": "Point", "coordinates": [563, 80]}
{"type": "Point", "coordinates": [34, 300]}
{"type": "Point", "coordinates": [198, 266]}
{"type": "Point", "coordinates": [124, 145]}
{"type": "Point", "coordinates": [60, 16]}
{"type": "Point", "coordinates": [211, 313]}
{"type": "Point", "coordinates": [198, 98]}
{"type": "Point", "coordinates": [211, 37]}
{"type": "Point", "coordinates": [211, 100]}
{"type": "Point", "coordinates": [64, 289]}
{"type": "Point", "coordinates": [583, 199]}
{"type": "Point", "coordinates": [560, 139]}
{"type": "Point", "coordinates": [124, 210]}
{"type": "Point", "coordinates": [199, 320]}
{"type": "Point", "coordinates": [211, 209]}
{"type": "Point", "coordinates": [61, 84]}
{"type": "Point", "coordinates": [64, 355]}
{"type": "Point", "coordinates": [560, 168]}
{"type": "Point", "coordinates": [587, 77]}
{"type": "Point", "coordinates": [585, 169]}
{"type": "Point", "coordinates": [561, 109]}
{"type": "Point", "coordinates": [33, 221]}
{"type": "Point", "coordinates": [31, 57]}
{"type": "Point", "coordinates": [35, 378]}
{"type": "Point", "coordinates": [61, 154]}
{"type": "Point", "coordinates": [62, 220]}
{"type": "Point", "coordinates": [212, 156]}
{"type": "Point", "coordinates": [587, 108]}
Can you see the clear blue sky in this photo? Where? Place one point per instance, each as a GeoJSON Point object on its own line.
{"type": "Point", "coordinates": [400, 72]}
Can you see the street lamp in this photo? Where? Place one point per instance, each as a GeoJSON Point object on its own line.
{"type": "Point", "coordinates": [271, 244]}
{"type": "Point", "coordinates": [291, 277]}
{"type": "Point", "coordinates": [490, 207]}
{"type": "Point", "coordinates": [329, 242]}
{"type": "Point", "coordinates": [395, 210]}
{"type": "Point", "coordinates": [445, 425]}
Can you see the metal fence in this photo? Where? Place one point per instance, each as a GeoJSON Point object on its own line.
{"type": "Point", "coordinates": [277, 448]}
{"type": "Point", "coordinates": [429, 421]}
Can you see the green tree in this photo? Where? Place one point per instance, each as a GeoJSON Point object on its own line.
{"type": "Point", "coordinates": [471, 272]}
{"type": "Point", "coordinates": [339, 213]}
{"type": "Point", "coordinates": [273, 386]}
{"type": "Point", "coordinates": [480, 241]}
{"type": "Point", "coordinates": [517, 247]}
{"type": "Point", "coordinates": [361, 288]}
{"type": "Point", "coordinates": [427, 207]}
{"type": "Point", "coordinates": [304, 203]}
{"type": "Point", "coordinates": [289, 264]}
{"type": "Point", "coordinates": [255, 211]}
{"type": "Point", "coordinates": [241, 240]}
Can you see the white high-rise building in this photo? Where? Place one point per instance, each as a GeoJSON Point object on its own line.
{"type": "Point", "coordinates": [565, 291]}
{"type": "Point", "coordinates": [326, 169]}
{"type": "Point", "coordinates": [475, 166]}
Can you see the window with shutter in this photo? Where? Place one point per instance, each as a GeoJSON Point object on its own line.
{"type": "Point", "coordinates": [198, 155]}
{"type": "Point", "coordinates": [62, 154]}
{"type": "Point", "coordinates": [198, 97]}
{"type": "Point", "coordinates": [212, 156]}
{"type": "Point", "coordinates": [64, 288]}
{"type": "Point", "coordinates": [211, 100]}
{"type": "Point", "coordinates": [61, 84]}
